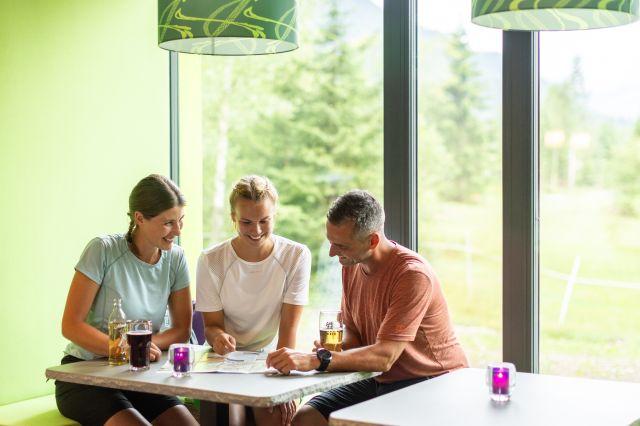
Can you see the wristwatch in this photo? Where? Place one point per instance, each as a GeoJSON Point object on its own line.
{"type": "Point", "coordinates": [325, 358]}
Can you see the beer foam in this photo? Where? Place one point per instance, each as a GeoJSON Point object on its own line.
{"type": "Point", "coordinates": [139, 332]}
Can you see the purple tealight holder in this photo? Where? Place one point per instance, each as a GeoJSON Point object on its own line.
{"type": "Point", "coordinates": [181, 357]}
{"type": "Point", "coordinates": [501, 380]}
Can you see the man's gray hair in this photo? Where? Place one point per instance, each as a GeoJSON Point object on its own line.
{"type": "Point", "coordinates": [359, 207]}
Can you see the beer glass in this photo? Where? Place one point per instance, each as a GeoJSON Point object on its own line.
{"type": "Point", "coordinates": [331, 330]}
{"type": "Point", "coordinates": [139, 340]}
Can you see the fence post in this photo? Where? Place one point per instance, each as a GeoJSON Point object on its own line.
{"type": "Point", "coordinates": [569, 289]}
{"type": "Point", "coordinates": [468, 250]}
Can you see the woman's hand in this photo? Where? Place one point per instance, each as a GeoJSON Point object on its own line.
{"type": "Point", "coordinates": [154, 353]}
{"type": "Point", "coordinates": [224, 343]}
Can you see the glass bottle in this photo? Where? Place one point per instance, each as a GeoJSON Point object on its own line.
{"type": "Point", "coordinates": [118, 335]}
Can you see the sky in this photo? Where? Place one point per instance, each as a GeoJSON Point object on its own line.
{"type": "Point", "coordinates": [610, 57]}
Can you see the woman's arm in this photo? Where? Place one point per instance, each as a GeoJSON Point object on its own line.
{"type": "Point", "coordinates": [221, 342]}
{"type": "Point", "coordinates": [79, 300]}
{"type": "Point", "coordinates": [289, 319]}
{"type": "Point", "coordinates": [180, 310]}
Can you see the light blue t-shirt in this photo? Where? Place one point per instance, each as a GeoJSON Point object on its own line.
{"type": "Point", "coordinates": [143, 288]}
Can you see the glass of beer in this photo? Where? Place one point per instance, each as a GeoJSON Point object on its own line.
{"type": "Point", "coordinates": [331, 330]}
{"type": "Point", "coordinates": [139, 340]}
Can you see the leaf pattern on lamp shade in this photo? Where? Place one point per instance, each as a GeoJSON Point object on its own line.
{"type": "Point", "coordinates": [227, 27]}
{"type": "Point", "coordinates": [536, 15]}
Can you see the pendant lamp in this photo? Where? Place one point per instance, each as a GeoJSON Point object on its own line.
{"type": "Point", "coordinates": [540, 15]}
{"type": "Point", "coordinates": [227, 27]}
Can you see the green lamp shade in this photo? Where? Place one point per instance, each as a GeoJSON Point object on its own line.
{"type": "Point", "coordinates": [227, 27]}
{"type": "Point", "coordinates": [540, 15]}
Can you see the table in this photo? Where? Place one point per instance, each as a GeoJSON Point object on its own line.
{"type": "Point", "coordinates": [256, 390]}
{"type": "Point", "coordinates": [461, 398]}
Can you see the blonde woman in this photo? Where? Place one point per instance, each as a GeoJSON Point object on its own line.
{"type": "Point", "coordinates": [252, 287]}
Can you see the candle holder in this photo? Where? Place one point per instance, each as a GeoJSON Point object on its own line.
{"type": "Point", "coordinates": [501, 380]}
{"type": "Point", "coordinates": [181, 357]}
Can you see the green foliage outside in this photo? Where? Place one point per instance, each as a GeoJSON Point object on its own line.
{"type": "Point", "coordinates": [311, 121]}
{"type": "Point", "coordinates": [467, 159]}
{"type": "Point", "coordinates": [625, 178]}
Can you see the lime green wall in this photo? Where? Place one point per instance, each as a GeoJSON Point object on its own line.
{"type": "Point", "coordinates": [84, 107]}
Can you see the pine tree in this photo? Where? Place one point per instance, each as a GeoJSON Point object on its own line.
{"type": "Point", "coordinates": [324, 133]}
{"type": "Point", "coordinates": [470, 164]}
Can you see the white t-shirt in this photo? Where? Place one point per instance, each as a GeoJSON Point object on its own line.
{"type": "Point", "coordinates": [252, 293]}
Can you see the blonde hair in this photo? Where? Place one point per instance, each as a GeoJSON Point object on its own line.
{"type": "Point", "coordinates": [253, 188]}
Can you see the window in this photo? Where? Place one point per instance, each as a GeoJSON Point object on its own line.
{"type": "Point", "coordinates": [590, 203]}
{"type": "Point", "coordinates": [311, 120]}
{"type": "Point", "coordinates": [459, 170]}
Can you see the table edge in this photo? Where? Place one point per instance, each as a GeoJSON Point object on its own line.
{"type": "Point", "coordinates": [254, 401]}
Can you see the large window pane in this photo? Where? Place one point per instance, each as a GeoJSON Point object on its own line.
{"type": "Point", "coordinates": [590, 203]}
{"type": "Point", "coordinates": [310, 120]}
{"type": "Point", "coordinates": [460, 227]}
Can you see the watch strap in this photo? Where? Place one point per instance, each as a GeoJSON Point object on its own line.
{"type": "Point", "coordinates": [324, 359]}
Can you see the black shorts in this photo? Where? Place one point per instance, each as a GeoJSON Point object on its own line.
{"type": "Point", "coordinates": [348, 395]}
{"type": "Point", "coordinates": [94, 405]}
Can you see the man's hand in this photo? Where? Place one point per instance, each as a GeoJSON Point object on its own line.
{"type": "Point", "coordinates": [316, 345]}
{"type": "Point", "coordinates": [224, 343]}
{"type": "Point", "coordinates": [285, 360]}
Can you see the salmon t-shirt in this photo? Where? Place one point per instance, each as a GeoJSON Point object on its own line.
{"type": "Point", "coordinates": [403, 301]}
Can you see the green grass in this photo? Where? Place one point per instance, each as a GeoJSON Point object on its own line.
{"type": "Point", "coordinates": [599, 336]}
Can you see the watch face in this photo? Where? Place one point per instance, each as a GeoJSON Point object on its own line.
{"type": "Point", "coordinates": [324, 354]}
{"type": "Point", "coordinates": [325, 358]}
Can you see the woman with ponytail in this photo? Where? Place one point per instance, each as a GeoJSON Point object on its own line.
{"type": "Point", "coordinates": [148, 272]}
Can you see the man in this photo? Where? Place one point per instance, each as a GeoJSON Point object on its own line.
{"type": "Point", "coordinates": [395, 316]}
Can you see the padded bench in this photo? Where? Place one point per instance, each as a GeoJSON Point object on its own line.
{"type": "Point", "coordinates": [34, 412]}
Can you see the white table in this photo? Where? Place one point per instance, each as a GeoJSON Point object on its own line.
{"type": "Point", "coordinates": [461, 398]}
{"type": "Point", "coordinates": [256, 390]}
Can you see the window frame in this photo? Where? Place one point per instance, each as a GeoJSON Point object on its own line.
{"type": "Point", "coordinates": [520, 200]}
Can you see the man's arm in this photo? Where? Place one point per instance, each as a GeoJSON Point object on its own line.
{"type": "Point", "coordinates": [351, 339]}
{"type": "Point", "coordinates": [377, 357]}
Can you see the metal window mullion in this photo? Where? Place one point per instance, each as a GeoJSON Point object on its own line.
{"type": "Point", "coordinates": [400, 121]}
{"type": "Point", "coordinates": [174, 123]}
{"type": "Point", "coordinates": [520, 144]}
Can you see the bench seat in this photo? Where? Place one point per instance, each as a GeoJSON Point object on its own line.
{"type": "Point", "coordinates": [41, 411]}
